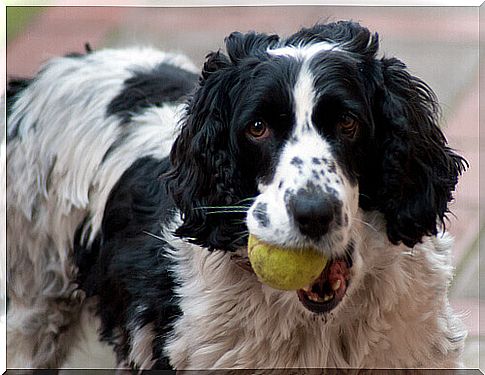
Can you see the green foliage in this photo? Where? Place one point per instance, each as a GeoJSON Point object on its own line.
{"type": "Point", "coordinates": [18, 17]}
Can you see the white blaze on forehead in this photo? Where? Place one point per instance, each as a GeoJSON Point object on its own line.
{"type": "Point", "coordinates": [306, 52]}
{"type": "Point", "coordinates": [303, 99]}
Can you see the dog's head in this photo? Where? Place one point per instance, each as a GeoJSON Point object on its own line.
{"type": "Point", "coordinates": [290, 138]}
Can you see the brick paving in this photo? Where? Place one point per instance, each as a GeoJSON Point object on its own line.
{"type": "Point", "coordinates": [439, 44]}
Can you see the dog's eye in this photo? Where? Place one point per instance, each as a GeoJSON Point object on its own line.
{"type": "Point", "coordinates": [348, 125]}
{"type": "Point", "coordinates": [258, 129]}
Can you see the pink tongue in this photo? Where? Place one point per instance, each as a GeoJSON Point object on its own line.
{"type": "Point", "coordinates": [338, 271]}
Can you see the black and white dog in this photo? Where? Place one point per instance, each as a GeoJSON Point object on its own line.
{"type": "Point", "coordinates": [133, 184]}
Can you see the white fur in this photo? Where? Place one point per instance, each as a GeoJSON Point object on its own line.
{"type": "Point", "coordinates": [304, 96]}
{"type": "Point", "coordinates": [87, 351]}
{"type": "Point", "coordinates": [395, 314]}
{"type": "Point", "coordinates": [141, 350]}
{"type": "Point", "coordinates": [306, 52]}
{"type": "Point", "coordinates": [3, 226]}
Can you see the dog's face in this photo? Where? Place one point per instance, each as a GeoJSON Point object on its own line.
{"type": "Point", "coordinates": [304, 132]}
{"type": "Point", "coordinates": [289, 139]}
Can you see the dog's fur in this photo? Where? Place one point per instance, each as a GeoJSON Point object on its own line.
{"type": "Point", "coordinates": [133, 186]}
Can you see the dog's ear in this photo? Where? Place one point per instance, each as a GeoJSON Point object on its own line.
{"type": "Point", "coordinates": [414, 172]}
{"type": "Point", "coordinates": [214, 62]}
{"type": "Point", "coordinates": [239, 46]}
{"type": "Point", "coordinates": [204, 177]}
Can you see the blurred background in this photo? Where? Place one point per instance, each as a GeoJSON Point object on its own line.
{"type": "Point", "coordinates": [438, 44]}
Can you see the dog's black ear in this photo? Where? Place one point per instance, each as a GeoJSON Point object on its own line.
{"type": "Point", "coordinates": [204, 177]}
{"type": "Point", "coordinates": [415, 172]}
{"type": "Point", "coordinates": [214, 62]}
{"type": "Point", "coordinates": [239, 46]}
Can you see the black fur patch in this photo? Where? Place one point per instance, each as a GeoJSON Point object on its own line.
{"type": "Point", "coordinates": [297, 162]}
{"type": "Point", "coordinates": [126, 267]}
{"type": "Point", "coordinates": [164, 83]}
{"type": "Point", "coordinates": [15, 87]}
{"type": "Point", "coordinates": [261, 214]}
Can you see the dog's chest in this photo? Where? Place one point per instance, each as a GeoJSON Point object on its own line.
{"type": "Point", "coordinates": [231, 321]}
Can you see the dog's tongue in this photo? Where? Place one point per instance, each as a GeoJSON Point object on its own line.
{"type": "Point", "coordinates": [328, 289]}
{"type": "Point", "coordinates": [338, 274]}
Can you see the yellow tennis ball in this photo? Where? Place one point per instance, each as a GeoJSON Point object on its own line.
{"type": "Point", "coordinates": [284, 268]}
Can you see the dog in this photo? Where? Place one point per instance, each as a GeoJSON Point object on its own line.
{"type": "Point", "coordinates": [134, 182]}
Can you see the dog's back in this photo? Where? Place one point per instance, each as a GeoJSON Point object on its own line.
{"type": "Point", "coordinates": [73, 131]}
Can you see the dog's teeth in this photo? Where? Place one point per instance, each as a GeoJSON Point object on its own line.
{"type": "Point", "coordinates": [314, 298]}
{"type": "Point", "coordinates": [327, 298]}
{"type": "Point", "coordinates": [336, 284]}
{"type": "Point", "coordinates": [307, 289]}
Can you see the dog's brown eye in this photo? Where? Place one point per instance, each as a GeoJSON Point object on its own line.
{"type": "Point", "coordinates": [348, 125]}
{"type": "Point", "coordinates": [258, 129]}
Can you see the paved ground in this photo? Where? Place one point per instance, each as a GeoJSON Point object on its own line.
{"type": "Point", "coordinates": [438, 44]}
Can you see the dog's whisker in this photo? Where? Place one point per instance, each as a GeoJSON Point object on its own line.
{"type": "Point", "coordinates": [365, 223]}
{"type": "Point", "coordinates": [242, 232]}
{"type": "Point", "coordinates": [154, 236]}
{"type": "Point", "coordinates": [219, 207]}
{"type": "Point", "coordinates": [239, 238]}
{"type": "Point", "coordinates": [239, 222]}
{"type": "Point", "coordinates": [226, 212]}
{"type": "Point", "coordinates": [251, 199]}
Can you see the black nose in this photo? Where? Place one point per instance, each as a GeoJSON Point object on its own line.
{"type": "Point", "coordinates": [313, 212]}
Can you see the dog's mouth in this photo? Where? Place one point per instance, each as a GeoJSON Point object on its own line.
{"type": "Point", "coordinates": [327, 291]}
{"type": "Point", "coordinates": [329, 288]}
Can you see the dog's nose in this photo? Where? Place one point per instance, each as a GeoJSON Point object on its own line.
{"type": "Point", "coordinates": [313, 212]}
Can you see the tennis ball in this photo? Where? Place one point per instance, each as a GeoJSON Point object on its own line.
{"type": "Point", "coordinates": [284, 268]}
